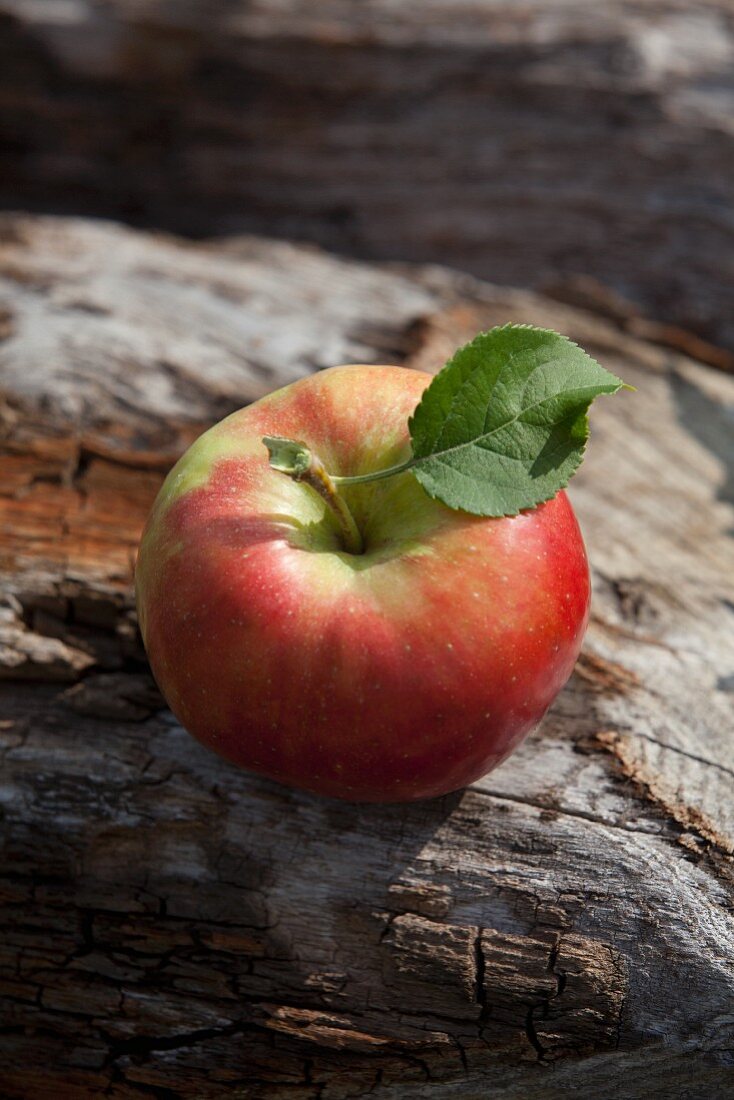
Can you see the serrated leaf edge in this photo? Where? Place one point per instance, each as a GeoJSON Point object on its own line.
{"type": "Point", "coordinates": [415, 468]}
{"type": "Point", "coordinates": [503, 328]}
{"type": "Point", "coordinates": [503, 515]}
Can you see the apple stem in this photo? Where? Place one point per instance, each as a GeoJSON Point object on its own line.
{"type": "Point", "coordinates": [319, 479]}
{"type": "Point", "coordinates": [295, 459]}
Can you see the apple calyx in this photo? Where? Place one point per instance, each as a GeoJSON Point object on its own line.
{"type": "Point", "coordinates": [295, 459]}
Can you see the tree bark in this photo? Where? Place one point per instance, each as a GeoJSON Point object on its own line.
{"type": "Point", "coordinates": [174, 927]}
{"type": "Point", "coordinates": [524, 142]}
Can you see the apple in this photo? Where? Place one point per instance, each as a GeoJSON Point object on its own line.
{"type": "Point", "coordinates": [401, 672]}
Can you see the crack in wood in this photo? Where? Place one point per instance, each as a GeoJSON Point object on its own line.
{"type": "Point", "coordinates": [544, 807]}
{"type": "Point", "coordinates": [654, 788]}
{"type": "Point", "coordinates": [683, 752]}
{"type": "Point", "coordinates": [485, 1009]}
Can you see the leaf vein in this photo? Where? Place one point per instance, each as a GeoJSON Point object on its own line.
{"type": "Point", "coordinates": [508, 423]}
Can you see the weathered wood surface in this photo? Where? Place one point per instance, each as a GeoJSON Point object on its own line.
{"type": "Point", "coordinates": [173, 927]}
{"type": "Point", "coordinates": [525, 142]}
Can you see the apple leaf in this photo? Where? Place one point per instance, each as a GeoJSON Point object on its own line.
{"type": "Point", "coordinates": [504, 425]}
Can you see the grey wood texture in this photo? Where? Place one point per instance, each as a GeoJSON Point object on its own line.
{"type": "Point", "coordinates": [174, 927]}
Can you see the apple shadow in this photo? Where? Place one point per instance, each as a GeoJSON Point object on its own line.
{"type": "Point", "coordinates": [314, 900]}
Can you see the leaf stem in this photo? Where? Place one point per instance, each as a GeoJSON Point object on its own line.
{"type": "Point", "coordinates": [375, 475]}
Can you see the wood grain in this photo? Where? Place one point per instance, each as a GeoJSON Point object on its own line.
{"type": "Point", "coordinates": [177, 928]}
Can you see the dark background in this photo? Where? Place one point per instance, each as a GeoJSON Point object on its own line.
{"type": "Point", "coordinates": [530, 143]}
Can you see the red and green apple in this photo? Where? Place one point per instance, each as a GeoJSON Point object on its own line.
{"type": "Point", "coordinates": [398, 653]}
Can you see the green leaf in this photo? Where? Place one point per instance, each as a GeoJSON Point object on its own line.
{"type": "Point", "coordinates": [504, 425]}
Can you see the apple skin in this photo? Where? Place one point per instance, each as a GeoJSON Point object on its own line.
{"type": "Point", "coordinates": [402, 673]}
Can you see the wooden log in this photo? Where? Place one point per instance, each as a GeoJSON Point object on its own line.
{"type": "Point", "coordinates": [526, 143]}
{"type": "Point", "coordinates": [174, 927]}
